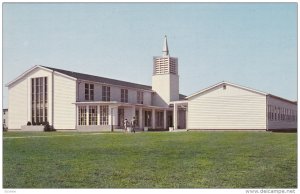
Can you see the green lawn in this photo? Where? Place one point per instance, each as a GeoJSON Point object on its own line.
{"type": "Point", "coordinates": [150, 160]}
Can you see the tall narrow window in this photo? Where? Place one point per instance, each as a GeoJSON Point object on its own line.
{"type": "Point", "coordinates": [140, 97]}
{"type": "Point", "coordinates": [272, 113]}
{"type": "Point", "coordinates": [124, 95]}
{"type": "Point", "coordinates": [89, 91]}
{"type": "Point", "coordinates": [137, 117]}
{"type": "Point", "coordinates": [92, 115]}
{"type": "Point", "coordinates": [159, 118]}
{"type": "Point", "coordinates": [269, 112]}
{"type": "Point", "coordinates": [103, 115]}
{"type": "Point", "coordinates": [82, 115]}
{"type": "Point", "coordinates": [39, 100]}
{"type": "Point", "coordinates": [148, 118]}
{"type": "Point", "coordinates": [105, 93]}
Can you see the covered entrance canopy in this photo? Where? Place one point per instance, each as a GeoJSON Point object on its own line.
{"type": "Point", "coordinates": [180, 110]}
{"type": "Point", "coordinates": [109, 115]}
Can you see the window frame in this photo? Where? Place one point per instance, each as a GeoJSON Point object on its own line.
{"type": "Point", "coordinates": [39, 100]}
{"type": "Point", "coordinates": [105, 93]}
{"type": "Point", "coordinates": [140, 97]}
{"type": "Point", "coordinates": [104, 114]}
{"type": "Point", "coordinates": [124, 95]}
{"type": "Point", "coordinates": [89, 92]}
{"type": "Point", "coordinates": [93, 115]}
{"type": "Point", "coordinates": [82, 113]}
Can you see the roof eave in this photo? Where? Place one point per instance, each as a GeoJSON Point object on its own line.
{"type": "Point", "coordinates": [280, 98]}
{"type": "Point", "coordinates": [25, 73]}
{"type": "Point", "coordinates": [228, 83]}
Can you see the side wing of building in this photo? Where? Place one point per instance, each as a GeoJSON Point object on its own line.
{"type": "Point", "coordinates": [20, 98]}
{"type": "Point", "coordinates": [282, 114]}
{"type": "Point", "coordinates": [41, 95]}
{"type": "Point", "coordinates": [227, 107]}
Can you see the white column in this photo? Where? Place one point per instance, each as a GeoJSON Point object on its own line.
{"type": "Point", "coordinates": [110, 115]}
{"type": "Point", "coordinates": [165, 119]}
{"type": "Point", "coordinates": [98, 114]}
{"type": "Point", "coordinates": [113, 115]}
{"type": "Point", "coordinates": [140, 118]}
{"type": "Point", "coordinates": [153, 118]}
{"type": "Point", "coordinates": [87, 114]}
{"type": "Point", "coordinates": [175, 116]}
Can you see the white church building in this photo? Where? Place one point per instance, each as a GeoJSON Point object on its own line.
{"type": "Point", "coordinates": [76, 101]}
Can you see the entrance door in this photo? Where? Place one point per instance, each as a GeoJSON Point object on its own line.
{"type": "Point", "coordinates": [148, 118]}
{"type": "Point", "coordinates": [121, 117]}
{"type": "Point", "coordinates": [170, 118]}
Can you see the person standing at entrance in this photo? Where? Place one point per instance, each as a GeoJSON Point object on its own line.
{"type": "Point", "coordinates": [133, 124]}
{"type": "Point", "coordinates": [125, 125]}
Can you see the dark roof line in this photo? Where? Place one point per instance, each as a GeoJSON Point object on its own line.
{"type": "Point", "coordinates": [280, 98]}
{"type": "Point", "coordinates": [104, 80]}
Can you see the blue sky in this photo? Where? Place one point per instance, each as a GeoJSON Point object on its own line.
{"type": "Point", "coordinates": [250, 44]}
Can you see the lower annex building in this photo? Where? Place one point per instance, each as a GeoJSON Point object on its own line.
{"type": "Point", "coordinates": [77, 101]}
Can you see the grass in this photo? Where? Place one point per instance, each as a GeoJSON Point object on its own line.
{"type": "Point", "coordinates": [150, 160]}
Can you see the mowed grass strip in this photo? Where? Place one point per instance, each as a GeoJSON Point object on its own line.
{"type": "Point", "coordinates": [152, 160]}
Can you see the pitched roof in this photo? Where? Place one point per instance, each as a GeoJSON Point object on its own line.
{"type": "Point", "coordinates": [104, 80]}
{"type": "Point", "coordinates": [88, 77]}
{"type": "Point", "coordinates": [241, 87]}
{"type": "Point", "coordinates": [182, 97]}
{"type": "Point", "coordinates": [227, 83]}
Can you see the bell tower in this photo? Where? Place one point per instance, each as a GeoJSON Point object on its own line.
{"type": "Point", "coordinates": [165, 79]}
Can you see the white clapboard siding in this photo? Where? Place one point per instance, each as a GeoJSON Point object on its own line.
{"type": "Point", "coordinates": [280, 123]}
{"type": "Point", "coordinates": [64, 99]}
{"type": "Point", "coordinates": [230, 108]}
{"type": "Point", "coordinates": [19, 92]}
{"type": "Point", "coordinates": [17, 104]}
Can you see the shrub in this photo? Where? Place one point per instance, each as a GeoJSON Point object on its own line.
{"type": "Point", "coordinates": [33, 123]}
{"type": "Point", "coordinates": [48, 127]}
{"type": "Point", "coordinates": [4, 127]}
{"type": "Point", "coordinates": [28, 123]}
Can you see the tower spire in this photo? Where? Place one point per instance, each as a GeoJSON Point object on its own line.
{"type": "Point", "coordinates": [165, 47]}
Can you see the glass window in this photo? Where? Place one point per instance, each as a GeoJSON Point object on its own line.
{"type": "Point", "coordinates": [39, 98]}
{"type": "Point", "coordinates": [137, 117]}
{"type": "Point", "coordinates": [124, 95]}
{"type": "Point", "coordinates": [103, 115]}
{"type": "Point", "coordinates": [159, 119]}
{"type": "Point", "coordinates": [92, 115]}
{"type": "Point", "coordinates": [82, 115]}
{"type": "Point", "coordinates": [89, 91]}
{"type": "Point", "coordinates": [105, 93]}
{"type": "Point", "coordinates": [140, 97]}
{"type": "Point", "coordinates": [148, 115]}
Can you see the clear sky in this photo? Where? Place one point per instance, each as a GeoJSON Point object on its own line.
{"type": "Point", "coordinates": [250, 44]}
